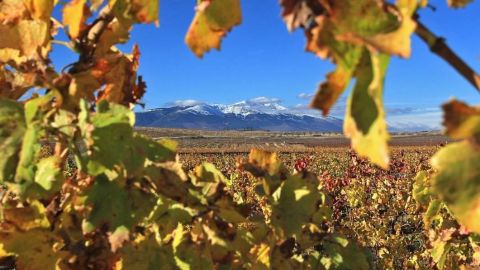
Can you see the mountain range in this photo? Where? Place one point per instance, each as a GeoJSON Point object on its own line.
{"type": "Point", "coordinates": [242, 115]}
{"type": "Point", "coordinates": [266, 114]}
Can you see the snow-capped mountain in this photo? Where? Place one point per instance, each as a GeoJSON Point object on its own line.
{"type": "Point", "coordinates": [251, 115]}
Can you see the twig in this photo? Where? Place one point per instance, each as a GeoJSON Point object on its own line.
{"type": "Point", "coordinates": [439, 47]}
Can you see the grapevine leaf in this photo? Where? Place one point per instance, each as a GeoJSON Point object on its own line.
{"type": "Point", "coordinates": [461, 121]}
{"type": "Point", "coordinates": [457, 181]}
{"type": "Point", "coordinates": [12, 10]}
{"type": "Point", "coordinates": [25, 38]}
{"type": "Point", "coordinates": [42, 9]}
{"type": "Point", "coordinates": [27, 218]}
{"type": "Point", "coordinates": [263, 162]}
{"type": "Point", "coordinates": [213, 19]}
{"type": "Point", "coordinates": [261, 253]}
{"type": "Point", "coordinates": [135, 11]}
{"type": "Point", "coordinates": [294, 204]}
{"type": "Point", "coordinates": [267, 166]}
{"type": "Point", "coordinates": [146, 253]}
{"type": "Point", "coordinates": [187, 255]}
{"type": "Point", "coordinates": [338, 80]}
{"type": "Point", "coordinates": [439, 252]}
{"type": "Point", "coordinates": [35, 110]}
{"type": "Point", "coordinates": [143, 148]}
{"type": "Point", "coordinates": [364, 118]}
{"type": "Point", "coordinates": [107, 137]}
{"type": "Point", "coordinates": [49, 174]}
{"type": "Point", "coordinates": [12, 129]}
{"type": "Point", "coordinates": [167, 214]}
{"type": "Point", "coordinates": [120, 75]}
{"type": "Point", "coordinates": [374, 29]}
{"type": "Point", "coordinates": [114, 34]}
{"type": "Point", "coordinates": [34, 249]}
{"type": "Point", "coordinates": [458, 3]}
{"type": "Point", "coordinates": [111, 208]}
{"type": "Point", "coordinates": [75, 14]}
{"type": "Point", "coordinates": [340, 253]}
{"type": "Point", "coordinates": [421, 189]}
{"type": "Point", "coordinates": [432, 212]}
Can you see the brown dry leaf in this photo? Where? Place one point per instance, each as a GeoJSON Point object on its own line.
{"type": "Point", "coordinates": [458, 3]}
{"type": "Point", "coordinates": [119, 72]}
{"type": "Point", "coordinates": [460, 120]}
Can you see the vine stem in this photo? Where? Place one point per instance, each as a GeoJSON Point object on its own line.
{"type": "Point", "coordinates": [439, 47]}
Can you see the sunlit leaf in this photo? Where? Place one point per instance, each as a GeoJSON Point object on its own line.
{"type": "Point", "coordinates": [457, 181]}
{"type": "Point", "coordinates": [213, 19]}
{"type": "Point", "coordinates": [294, 204]}
{"type": "Point", "coordinates": [147, 254]}
{"type": "Point", "coordinates": [460, 120]}
{"type": "Point", "coordinates": [34, 248]}
{"type": "Point", "coordinates": [12, 129]}
{"type": "Point", "coordinates": [75, 14]}
{"type": "Point", "coordinates": [42, 9]}
{"type": "Point", "coordinates": [107, 137]}
{"type": "Point", "coordinates": [364, 120]}
{"type": "Point", "coordinates": [110, 208]}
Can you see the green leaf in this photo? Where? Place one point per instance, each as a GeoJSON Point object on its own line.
{"type": "Point", "coordinates": [107, 136]}
{"type": "Point", "coordinates": [421, 189]}
{"type": "Point", "coordinates": [188, 256]}
{"type": "Point", "coordinates": [457, 181]}
{"type": "Point", "coordinates": [35, 112]}
{"type": "Point", "coordinates": [129, 12]}
{"type": "Point", "coordinates": [341, 253]}
{"type": "Point", "coordinates": [364, 120]}
{"type": "Point", "coordinates": [111, 208]}
{"type": "Point", "coordinates": [12, 130]}
{"type": "Point", "coordinates": [294, 204]}
{"type": "Point", "coordinates": [147, 254]}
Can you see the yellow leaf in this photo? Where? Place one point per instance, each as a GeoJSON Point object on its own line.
{"type": "Point", "coordinates": [34, 249]}
{"type": "Point", "coordinates": [12, 10]}
{"type": "Point", "coordinates": [41, 9]}
{"type": "Point", "coordinates": [75, 13]}
{"type": "Point", "coordinates": [211, 23]}
{"type": "Point", "coordinates": [364, 120]}
{"type": "Point", "coordinates": [23, 39]}
{"type": "Point", "coordinates": [267, 161]}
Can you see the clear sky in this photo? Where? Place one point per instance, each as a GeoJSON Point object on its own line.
{"type": "Point", "coordinates": [261, 58]}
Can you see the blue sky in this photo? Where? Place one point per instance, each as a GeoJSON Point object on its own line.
{"type": "Point", "coordinates": [261, 58]}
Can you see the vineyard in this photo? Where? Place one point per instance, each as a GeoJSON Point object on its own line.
{"type": "Point", "coordinates": [82, 188]}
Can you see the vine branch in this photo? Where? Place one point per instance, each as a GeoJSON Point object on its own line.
{"type": "Point", "coordinates": [438, 46]}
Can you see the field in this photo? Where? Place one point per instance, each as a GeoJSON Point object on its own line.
{"type": "Point", "coordinates": [371, 205]}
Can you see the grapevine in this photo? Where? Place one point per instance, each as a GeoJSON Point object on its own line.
{"type": "Point", "coordinates": [81, 189]}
